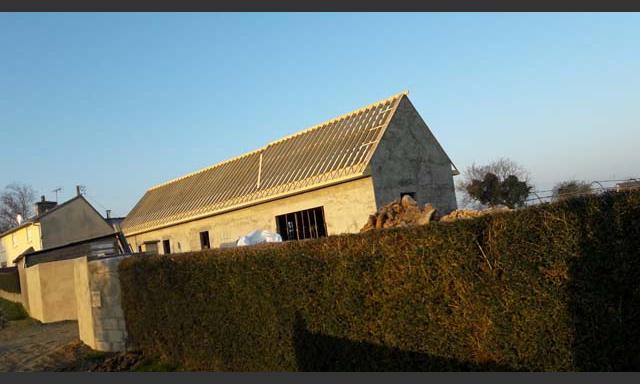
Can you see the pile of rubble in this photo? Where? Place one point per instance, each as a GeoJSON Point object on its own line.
{"type": "Point", "coordinates": [470, 213]}
{"type": "Point", "coordinates": [400, 213]}
{"type": "Point", "coordinates": [406, 212]}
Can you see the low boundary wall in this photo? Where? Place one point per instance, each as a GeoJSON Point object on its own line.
{"type": "Point", "coordinates": [15, 297]}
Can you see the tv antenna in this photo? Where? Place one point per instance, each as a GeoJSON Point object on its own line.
{"type": "Point", "coordinates": [56, 192]}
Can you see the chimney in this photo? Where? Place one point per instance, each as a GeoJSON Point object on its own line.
{"type": "Point", "coordinates": [78, 190]}
{"type": "Point", "coordinates": [43, 205]}
{"type": "Point", "coordinates": [108, 213]}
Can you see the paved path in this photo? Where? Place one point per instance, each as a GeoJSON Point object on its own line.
{"type": "Point", "coordinates": [26, 345]}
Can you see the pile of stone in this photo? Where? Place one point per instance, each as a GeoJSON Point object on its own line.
{"type": "Point", "coordinates": [400, 213]}
{"type": "Point", "coordinates": [471, 213]}
{"type": "Point", "coordinates": [406, 212]}
{"type": "Point", "coordinates": [461, 214]}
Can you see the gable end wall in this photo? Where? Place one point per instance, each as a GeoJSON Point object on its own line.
{"type": "Point", "coordinates": [409, 159]}
{"type": "Point", "coordinates": [75, 221]}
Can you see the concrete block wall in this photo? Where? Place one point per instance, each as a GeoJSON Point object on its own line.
{"type": "Point", "coordinates": [49, 289]}
{"type": "Point", "coordinates": [100, 316]}
{"type": "Point", "coordinates": [11, 296]}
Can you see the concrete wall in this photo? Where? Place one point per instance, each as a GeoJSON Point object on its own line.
{"type": "Point", "coordinates": [72, 221]}
{"type": "Point", "coordinates": [11, 296]}
{"type": "Point", "coordinates": [409, 159]}
{"type": "Point", "coordinates": [24, 285]}
{"type": "Point", "coordinates": [51, 291]}
{"type": "Point", "coordinates": [101, 321]}
{"type": "Point", "coordinates": [34, 292]}
{"type": "Point", "coordinates": [346, 208]}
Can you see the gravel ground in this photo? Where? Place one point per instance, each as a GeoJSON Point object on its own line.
{"type": "Point", "coordinates": [27, 345]}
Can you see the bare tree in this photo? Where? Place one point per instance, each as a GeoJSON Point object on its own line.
{"type": "Point", "coordinates": [16, 199]}
{"type": "Point", "coordinates": [502, 168]}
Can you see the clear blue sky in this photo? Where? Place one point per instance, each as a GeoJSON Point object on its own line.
{"type": "Point", "coordinates": [121, 102]}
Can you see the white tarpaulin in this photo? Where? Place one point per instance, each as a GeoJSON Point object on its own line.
{"type": "Point", "coordinates": [258, 236]}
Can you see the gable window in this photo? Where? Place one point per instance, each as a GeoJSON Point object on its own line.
{"type": "Point", "coordinates": [139, 248]}
{"type": "Point", "coordinates": [307, 224]}
{"type": "Point", "coordinates": [166, 247]}
{"type": "Point", "coordinates": [204, 240]}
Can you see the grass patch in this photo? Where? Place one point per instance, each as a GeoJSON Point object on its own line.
{"type": "Point", "coordinates": [156, 365]}
{"type": "Point", "coordinates": [12, 311]}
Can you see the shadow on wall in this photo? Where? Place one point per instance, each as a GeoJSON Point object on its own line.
{"type": "Point", "coordinates": [316, 352]}
{"type": "Point", "coordinates": [605, 290]}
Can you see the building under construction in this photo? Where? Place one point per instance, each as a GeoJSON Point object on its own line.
{"type": "Point", "coordinates": [321, 181]}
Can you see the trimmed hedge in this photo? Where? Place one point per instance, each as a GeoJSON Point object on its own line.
{"type": "Point", "coordinates": [550, 288]}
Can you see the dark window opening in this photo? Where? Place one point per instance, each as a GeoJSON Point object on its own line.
{"type": "Point", "coordinates": [204, 240]}
{"type": "Point", "coordinates": [166, 247]}
{"type": "Point", "coordinates": [412, 194]}
{"type": "Point", "coordinates": [139, 248]}
{"type": "Point", "coordinates": [307, 224]}
{"type": "Point", "coordinates": [151, 247]}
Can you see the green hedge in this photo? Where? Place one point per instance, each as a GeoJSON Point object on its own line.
{"type": "Point", "coordinates": [555, 287]}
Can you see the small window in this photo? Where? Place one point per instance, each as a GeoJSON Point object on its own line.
{"type": "Point", "coordinates": [139, 248]}
{"type": "Point", "coordinates": [204, 240]}
{"type": "Point", "coordinates": [412, 194]}
{"type": "Point", "coordinates": [166, 247]}
{"type": "Point", "coordinates": [151, 247]}
{"type": "Point", "coordinates": [307, 224]}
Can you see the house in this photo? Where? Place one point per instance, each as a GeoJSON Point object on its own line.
{"type": "Point", "coordinates": [321, 181]}
{"type": "Point", "coordinates": [25, 237]}
{"type": "Point", "coordinates": [628, 185]}
{"type": "Point", "coordinates": [53, 226]}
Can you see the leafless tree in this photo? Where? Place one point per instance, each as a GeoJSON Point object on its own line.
{"type": "Point", "coordinates": [16, 199]}
{"type": "Point", "coordinates": [501, 167]}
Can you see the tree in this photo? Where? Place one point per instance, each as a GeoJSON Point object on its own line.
{"type": "Point", "coordinates": [570, 188]}
{"type": "Point", "coordinates": [501, 182]}
{"type": "Point", "coordinates": [16, 199]}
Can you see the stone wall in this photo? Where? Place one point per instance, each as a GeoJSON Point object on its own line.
{"type": "Point", "coordinates": [100, 317]}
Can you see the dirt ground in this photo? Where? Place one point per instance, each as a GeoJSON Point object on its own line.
{"type": "Point", "coordinates": [27, 345]}
{"type": "Point", "coordinates": [30, 346]}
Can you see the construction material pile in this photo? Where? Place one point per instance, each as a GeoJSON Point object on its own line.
{"type": "Point", "coordinates": [406, 212]}
{"type": "Point", "coordinates": [400, 213]}
{"type": "Point", "coordinates": [471, 213]}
